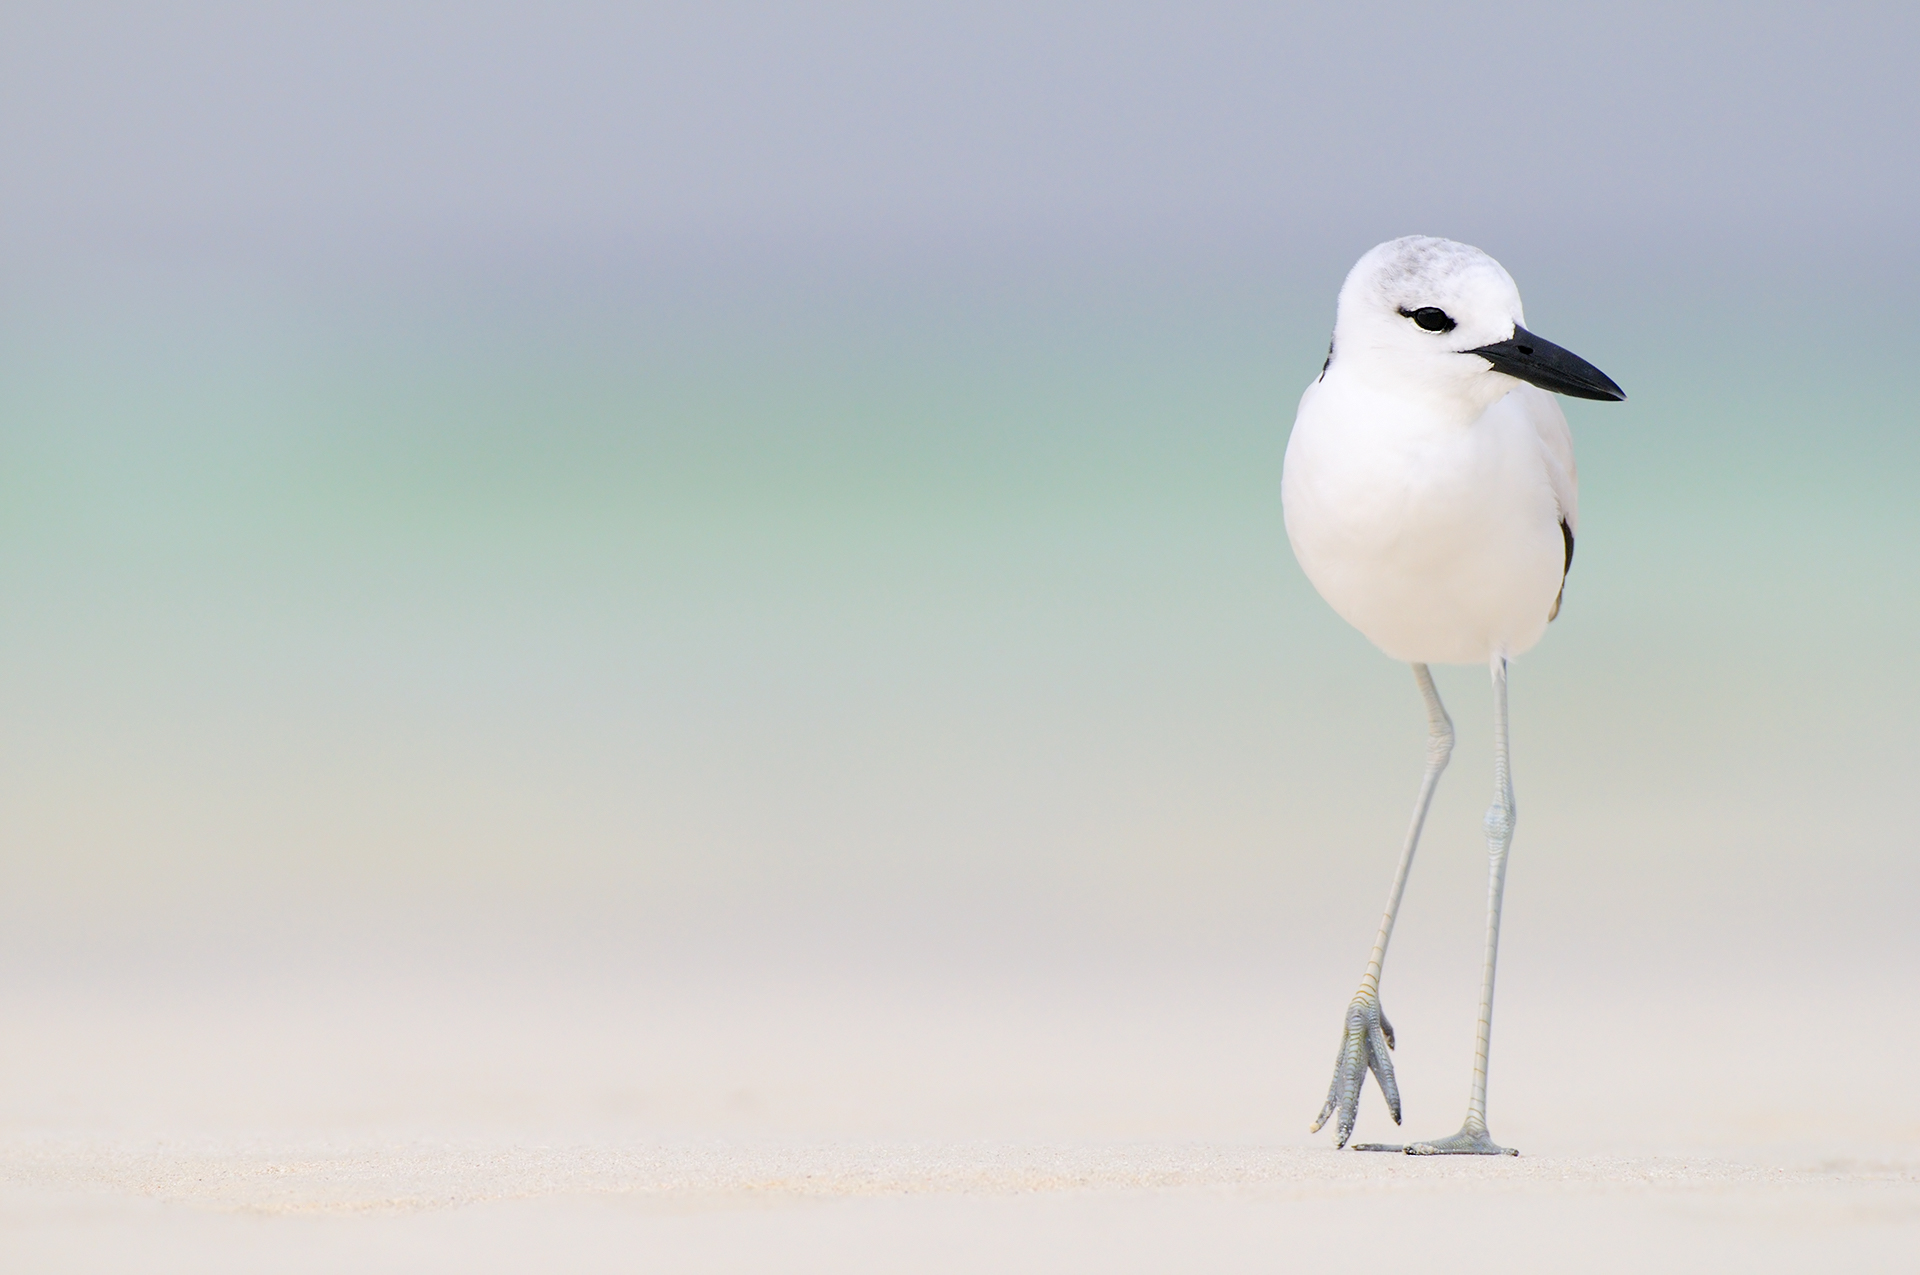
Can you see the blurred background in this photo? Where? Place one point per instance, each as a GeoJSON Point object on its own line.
{"type": "Point", "coordinates": [721, 567]}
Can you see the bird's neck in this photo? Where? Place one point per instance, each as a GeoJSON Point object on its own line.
{"type": "Point", "coordinates": [1446, 403]}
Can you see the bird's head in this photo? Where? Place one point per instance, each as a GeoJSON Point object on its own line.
{"type": "Point", "coordinates": [1438, 319]}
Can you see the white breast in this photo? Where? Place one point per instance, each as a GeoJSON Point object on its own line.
{"type": "Point", "coordinates": [1439, 539]}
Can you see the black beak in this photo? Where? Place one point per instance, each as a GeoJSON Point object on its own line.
{"type": "Point", "coordinates": [1545, 364]}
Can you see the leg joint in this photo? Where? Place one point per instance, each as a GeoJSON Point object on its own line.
{"type": "Point", "coordinates": [1501, 816]}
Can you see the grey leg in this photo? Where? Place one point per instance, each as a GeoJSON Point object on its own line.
{"type": "Point", "coordinates": [1473, 1138]}
{"type": "Point", "coordinates": [1368, 1033]}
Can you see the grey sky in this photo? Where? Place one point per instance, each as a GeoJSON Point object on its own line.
{"type": "Point", "coordinates": [355, 130]}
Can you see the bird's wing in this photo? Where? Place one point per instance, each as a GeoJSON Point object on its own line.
{"type": "Point", "coordinates": [1556, 442]}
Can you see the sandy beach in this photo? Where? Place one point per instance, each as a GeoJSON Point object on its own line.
{"type": "Point", "coordinates": [662, 638]}
{"type": "Point", "coordinates": [387, 1124]}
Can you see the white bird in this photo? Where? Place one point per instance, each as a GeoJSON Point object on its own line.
{"type": "Point", "coordinates": [1430, 496]}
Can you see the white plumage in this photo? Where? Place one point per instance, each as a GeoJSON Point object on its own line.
{"type": "Point", "coordinates": [1425, 502]}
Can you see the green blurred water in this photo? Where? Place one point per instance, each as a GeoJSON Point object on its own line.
{"type": "Point", "coordinates": [970, 605]}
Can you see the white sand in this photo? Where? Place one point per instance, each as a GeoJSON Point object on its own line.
{"type": "Point", "coordinates": [497, 1206]}
{"type": "Point", "coordinates": [208, 1123]}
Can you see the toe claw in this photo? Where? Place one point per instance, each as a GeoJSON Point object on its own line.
{"type": "Point", "coordinates": [1321, 1120]}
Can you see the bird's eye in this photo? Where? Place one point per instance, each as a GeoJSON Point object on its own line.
{"type": "Point", "coordinates": [1431, 318]}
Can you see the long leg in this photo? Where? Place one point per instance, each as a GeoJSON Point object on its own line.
{"type": "Point", "coordinates": [1473, 1138]}
{"type": "Point", "coordinates": [1369, 1035]}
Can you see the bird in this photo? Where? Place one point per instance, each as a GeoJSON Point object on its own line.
{"type": "Point", "coordinates": [1430, 496]}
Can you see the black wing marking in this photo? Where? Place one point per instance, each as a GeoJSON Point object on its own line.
{"type": "Point", "coordinates": [1566, 534]}
{"type": "Point", "coordinates": [1327, 364]}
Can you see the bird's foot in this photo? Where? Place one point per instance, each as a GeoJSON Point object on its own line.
{"type": "Point", "coordinates": [1368, 1038]}
{"type": "Point", "coordinates": [1471, 1140]}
